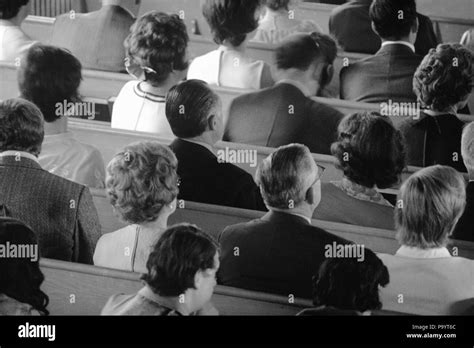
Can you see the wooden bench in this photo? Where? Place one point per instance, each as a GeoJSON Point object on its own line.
{"type": "Point", "coordinates": [213, 219]}
{"type": "Point", "coordinates": [76, 289]}
{"type": "Point", "coordinates": [110, 141]}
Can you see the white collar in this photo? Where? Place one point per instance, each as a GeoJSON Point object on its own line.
{"type": "Point", "coordinates": [417, 253]}
{"type": "Point", "coordinates": [24, 154]}
{"type": "Point", "coordinates": [298, 85]}
{"type": "Point", "coordinates": [8, 23]}
{"type": "Point", "coordinates": [408, 44]}
{"type": "Point", "coordinates": [207, 146]}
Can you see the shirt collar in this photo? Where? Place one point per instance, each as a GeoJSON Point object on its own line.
{"type": "Point", "coordinates": [23, 154]}
{"type": "Point", "coordinates": [298, 85]}
{"type": "Point", "coordinates": [207, 146]}
{"type": "Point", "coordinates": [291, 213]}
{"type": "Point", "coordinates": [408, 44]}
{"type": "Point", "coordinates": [7, 23]}
{"type": "Point", "coordinates": [153, 297]}
{"type": "Point", "coordinates": [417, 253]}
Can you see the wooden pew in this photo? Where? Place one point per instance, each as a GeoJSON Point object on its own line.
{"type": "Point", "coordinates": [213, 219]}
{"type": "Point", "coordinates": [76, 289]}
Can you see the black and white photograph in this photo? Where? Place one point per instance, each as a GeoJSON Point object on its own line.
{"type": "Point", "coordinates": [271, 171]}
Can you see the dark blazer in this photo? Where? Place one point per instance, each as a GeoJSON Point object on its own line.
{"type": "Point", "coordinates": [432, 140]}
{"type": "Point", "coordinates": [351, 26]}
{"type": "Point", "coordinates": [337, 206]}
{"type": "Point", "coordinates": [281, 115]}
{"type": "Point", "coordinates": [465, 228]}
{"type": "Point", "coordinates": [205, 180]}
{"type": "Point", "coordinates": [95, 38]}
{"type": "Point", "coordinates": [386, 75]}
{"type": "Point", "coordinates": [278, 253]}
{"type": "Point", "coordinates": [61, 212]}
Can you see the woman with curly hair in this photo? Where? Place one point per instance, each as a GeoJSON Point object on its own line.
{"type": "Point", "coordinates": [142, 185]}
{"type": "Point", "coordinates": [232, 23]}
{"type": "Point", "coordinates": [370, 152]}
{"type": "Point", "coordinates": [20, 277]}
{"type": "Point", "coordinates": [279, 22]}
{"type": "Point", "coordinates": [156, 51]}
{"type": "Point", "coordinates": [442, 83]}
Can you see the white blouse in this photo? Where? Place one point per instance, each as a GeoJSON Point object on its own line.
{"type": "Point", "coordinates": [229, 68]}
{"type": "Point", "coordinates": [137, 110]}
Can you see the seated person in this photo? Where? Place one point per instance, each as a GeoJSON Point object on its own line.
{"type": "Point", "coordinates": [465, 227]}
{"type": "Point", "coordinates": [61, 211]}
{"type": "Point", "coordinates": [370, 152]}
{"type": "Point", "coordinates": [285, 113]}
{"type": "Point", "coordinates": [13, 40]}
{"type": "Point", "coordinates": [348, 286]}
{"type": "Point", "coordinates": [279, 252]}
{"type": "Point", "coordinates": [20, 277]}
{"type": "Point", "coordinates": [96, 38]}
{"type": "Point", "coordinates": [142, 186]}
{"type": "Point", "coordinates": [50, 78]}
{"type": "Point", "coordinates": [387, 75]}
{"type": "Point", "coordinates": [424, 278]}
{"type": "Point", "coordinates": [350, 25]}
{"type": "Point", "coordinates": [277, 23]}
{"type": "Point", "coordinates": [231, 22]}
{"type": "Point", "coordinates": [156, 52]}
{"type": "Point", "coordinates": [194, 112]}
{"type": "Point", "coordinates": [442, 89]}
{"type": "Point", "coordinates": [180, 277]}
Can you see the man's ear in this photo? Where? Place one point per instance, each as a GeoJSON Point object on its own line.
{"type": "Point", "coordinates": [415, 27]}
{"type": "Point", "coordinates": [212, 122]}
{"type": "Point", "coordinates": [374, 29]}
{"type": "Point", "coordinates": [310, 196]}
{"type": "Point", "coordinates": [198, 279]}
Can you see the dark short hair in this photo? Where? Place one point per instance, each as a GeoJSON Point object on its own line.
{"type": "Point", "coordinates": [9, 8]}
{"type": "Point", "coordinates": [370, 150]}
{"type": "Point", "coordinates": [21, 126]}
{"type": "Point", "coordinates": [231, 20]}
{"type": "Point", "coordinates": [21, 278]}
{"type": "Point", "coordinates": [276, 5]}
{"type": "Point", "coordinates": [47, 76]}
{"type": "Point", "coordinates": [350, 284]}
{"type": "Point", "coordinates": [141, 179]}
{"type": "Point", "coordinates": [438, 82]}
{"type": "Point", "coordinates": [393, 18]}
{"type": "Point", "coordinates": [301, 50]}
{"type": "Point", "coordinates": [180, 252]}
{"type": "Point", "coordinates": [429, 206]}
{"type": "Point", "coordinates": [158, 41]}
{"type": "Point", "coordinates": [188, 106]}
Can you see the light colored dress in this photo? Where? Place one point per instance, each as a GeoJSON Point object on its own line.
{"type": "Point", "coordinates": [142, 111]}
{"type": "Point", "coordinates": [275, 26]}
{"type": "Point", "coordinates": [13, 41]}
{"type": "Point", "coordinates": [226, 67]}
{"type": "Point", "coordinates": [10, 306]}
{"type": "Point", "coordinates": [126, 249]}
{"type": "Point", "coordinates": [64, 156]}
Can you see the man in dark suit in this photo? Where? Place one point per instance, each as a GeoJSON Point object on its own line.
{"type": "Point", "coordinates": [194, 113]}
{"type": "Point", "coordinates": [351, 25]}
{"type": "Point", "coordinates": [96, 38]}
{"type": "Point", "coordinates": [285, 113]}
{"type": "Point", "coordinates": [60, 211]}
{"type": "Point", "coordinates": [280, 252]}
{"type": "Point", "coordinates": [388, 75]}
{"type": "Point", "coordinates": [465, 228]}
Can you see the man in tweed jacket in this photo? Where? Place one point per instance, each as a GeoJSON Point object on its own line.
{"type": "Point", "coordinates": [60, 211]}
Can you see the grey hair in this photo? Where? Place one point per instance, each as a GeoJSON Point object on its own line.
{"type": "Point", "coordinates": [282, 176]}
{"type": "Point", "coordinates": [467, 146]}
{"type": "Point", "coordinates": [429, 206]}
